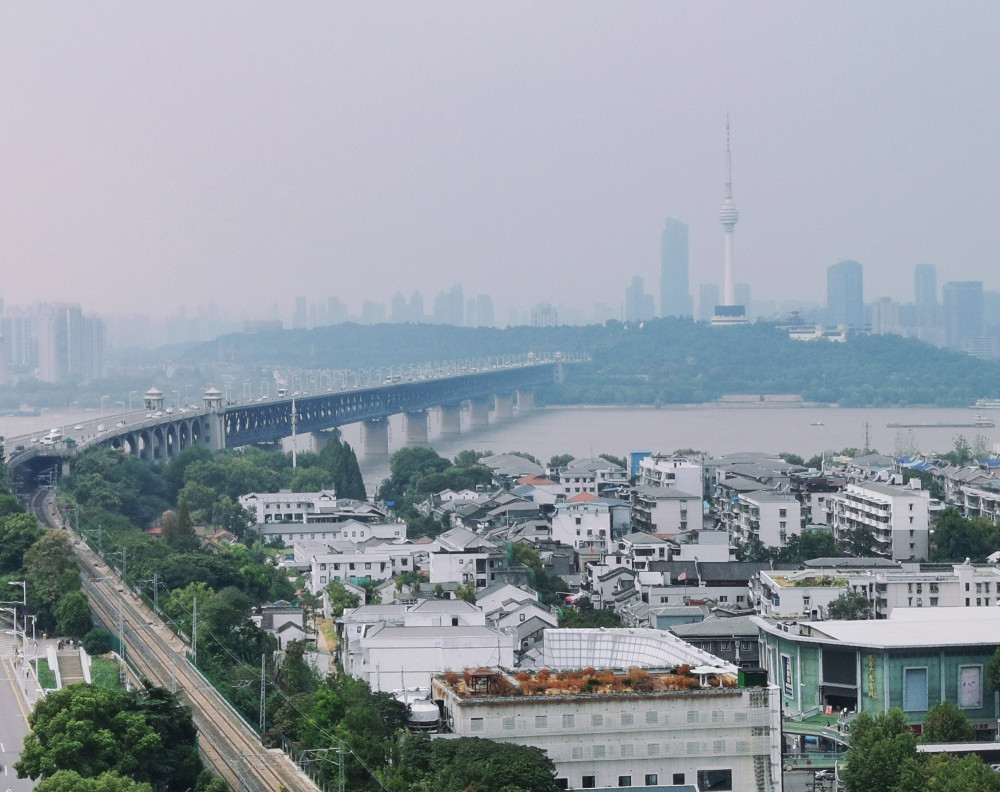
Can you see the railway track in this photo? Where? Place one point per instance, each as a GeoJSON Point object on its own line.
{"type": "Point", "coordinates": [227, 743]}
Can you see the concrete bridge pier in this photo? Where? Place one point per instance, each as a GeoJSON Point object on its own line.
{"type": "Point", "coordinates": [525, 401]}
{"type": "Point", "coordinates": [479, 414]}
{"type": "Point", "coordinates": [319, 440]}
{"type": "Point", "coordinates": [503, 405]}
{"type": "Point", "coordinates": [415, 427]}
{"type": "Point", "coordinates": [451, 420]}
{"type": "Point", "coordinates": [375, 437]}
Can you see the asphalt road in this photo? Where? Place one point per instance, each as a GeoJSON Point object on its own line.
{"type": "Point", "coordinates": [13, 723]}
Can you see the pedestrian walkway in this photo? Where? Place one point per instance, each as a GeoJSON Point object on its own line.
{"type": "Point", "coordinates": [70, 667]}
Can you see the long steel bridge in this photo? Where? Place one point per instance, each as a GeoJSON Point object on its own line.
{"type": "Point", "coordinates": [159, 434]}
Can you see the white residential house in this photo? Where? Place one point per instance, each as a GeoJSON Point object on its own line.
{"type": "Point", "coordinates": [349, 531]}
{"type": "Point", "coordinates": [898, 518]}
{"type": "Point", "coordinates": [397, 646]}
{"type": "Point", "coordinates": [589, 524]}
{"type": "Point", "coordinates": [642, 549]}
{"type": "Point", "coordinates": [306, 507]}
{"type": "Point", "coordinates": [465, 557]}
{"type": "Point", "coordinates": [704, 546]}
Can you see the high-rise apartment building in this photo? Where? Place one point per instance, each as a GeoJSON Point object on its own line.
{"type": "Point", "coordinates": [963, 312]}
{"type": "Point", "coordinates": [639, 305]}
{"type": "Point", "coordinates": [70, 345]}
{"type": "Point", "coordinates": [925, 284]}
{"type": "Point", "coordinates": [845, 304]}
{"type": "Point", "coordinates": [675, 290]}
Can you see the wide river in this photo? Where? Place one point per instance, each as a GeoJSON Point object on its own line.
{"type": "Point", "coordinates": [715, 428]}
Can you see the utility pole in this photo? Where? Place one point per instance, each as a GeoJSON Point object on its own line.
{"type": "Point", "coordinates": [263, 691]}
{"type": "Point", "coordinates": [194, 632]}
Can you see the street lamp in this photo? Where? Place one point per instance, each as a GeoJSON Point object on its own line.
{"type": "Point", "coordinates": [177, 399]}
{"type": "Point", "coordinates": [122, 405]}
{"type": "Point", "coordinates": [24, 590]}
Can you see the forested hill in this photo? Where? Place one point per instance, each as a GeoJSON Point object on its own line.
{"type": "Point", "coordinates": [661, 360]}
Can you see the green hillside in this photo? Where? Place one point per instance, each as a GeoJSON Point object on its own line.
{"type": "Point", "coordinates": [659, 361]}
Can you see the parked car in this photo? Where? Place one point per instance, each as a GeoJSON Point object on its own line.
{"type": "Point", "coordinates": [824, 775]}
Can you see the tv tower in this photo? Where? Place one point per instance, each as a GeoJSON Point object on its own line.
{"type": "Point", "coordinates": [729, 312]}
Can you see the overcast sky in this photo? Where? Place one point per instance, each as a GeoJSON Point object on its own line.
{"type": "Point", "coordinates": [154, 155]}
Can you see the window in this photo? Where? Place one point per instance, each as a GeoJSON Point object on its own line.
{"type": "Point", "coordinates": [507, 724]}
{"type": "Point", "coordinates": [652, 749]}
{"type": "Point", "coordinates": [715, 780]}
{"type": "Point", "coordinates": [476, 724]}
{"type": "Point", "coordinates": [577, 752]}
{"type": "Point", "coordinates": [588, 782]}
{"type": "Point", "coordinates": [596, 720]}
{"type": "Point", "coordinates": [541, 722]}
{"type": "Point", "coordinates": [624, 781]}
{"type": "Point", "coordinates": [651, 716]}
{"type": "Point", "coordinates": [626, 751]}
{"type": "Point", "coordinates": [915, 689]}
{"type": "Point", "coordinates": [562, 783]}
{"type": "Point", "coordinates": [651, 779]}
{"type": "Point", "coordinates": [597, 752]}
{"type": "Point", "coordinates": [567, 721]}
{"type": "Point", "coordinates": [782, 512]}
{"type": "Point", "coordinates": [579, 520]}
{"type": "Point", "coordinates": [678, 779]}
{"type": "Point", "coordinates": [627, 719]}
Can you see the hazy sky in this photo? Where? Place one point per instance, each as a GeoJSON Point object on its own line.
{"type": "Point", "coordinates": [162, 154]}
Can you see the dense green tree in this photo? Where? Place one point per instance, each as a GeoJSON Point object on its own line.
{"type": "Point", "coordinates": [466, 593]}
{"type": "Point", "coordinates": [72, 614]}
{"type": "Point", "coordinates": [90, 730]}
{"type": "Point", "coordinates": [880, 745]}
{"type": "Point", "coordinates": [18, 532]}
{"type": "Point", "coordinates": [97, 641]}
{"type": "Point", "coordinates": [947, 773]}
{"type": "Point", "coordinates": [862, 542]}
{"type": "Point", "coordinates": [72, 781]}
{"type": "Point", "coordinates": [944, 722]}
{"type": "Point", "coordinates": [198, 499]}
{"type": "Point", "coordinates": [589, 618]}
{"type": "Point", "coordinates": [560, 460]}
{"type": "Point", "coordinates": [622, 462]}
{"type": "Point", "coordinates": [957, 538]}
{"type": "Point", "coordinates": [296, 675]}
{"type": "Point", "coordinates": [809, 545]}
{"type": "Point", "coordinates": [50, 572]}
{"type": "Point", "coordinates": [470, 763]}
{"type": "Point", "coordinates": [469, 458]}
{"type": "Point", "coordinates": [340, 598]}
{"type": "Point", "coordinates": [851, 605]}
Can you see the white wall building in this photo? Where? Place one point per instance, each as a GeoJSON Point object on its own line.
{"type": "Point", "coordinates": [683, 473]}
{"type": "Point", "coordinates": [769, 517]}
{"type": "Point", "coordinates": [657, 735]}
{"type": "Point", "coordinates": [898, 517]}
{"type": "Point", "coordinates": [665, 509]}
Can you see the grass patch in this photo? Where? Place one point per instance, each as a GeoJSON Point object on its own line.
{"type": "Point", "coordinates": [329, 629]}
{"type": "Point", "coordinates": [104, 673]}
{"type": "Point", "coordinates": [46, 676]}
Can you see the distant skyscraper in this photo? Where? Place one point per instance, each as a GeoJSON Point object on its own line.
{"type": "Point", "coordinates": [398, 309]}
{"type": "Point", "coordinates": [675, 291]}
{"type": "Point", "coordinates": [639, 305]}
{"type": "Point", "coordinates": [299, 318]}
{"type": "Point", "coordinates": [963, 312]}
{"type": "Point", "coordinates": [845, 304]}
{"type": "Point", "coordinates": [708, 298]}
{"type": "Point", "coordinates": [449, 307]}
{"type": "Point", "coordinates": [925, 284]}
{"type": "Point", "coordinates": [484, 311]}
{"type": "Point", "coordinates": [417, 307]}
{"type": "Point", "coordinates": [730, 312]}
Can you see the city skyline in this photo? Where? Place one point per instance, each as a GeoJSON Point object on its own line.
{"type": "Point", "coordinates": [242, 156]}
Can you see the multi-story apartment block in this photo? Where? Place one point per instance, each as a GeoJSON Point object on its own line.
{"type": "Point", "coordinates": [763, 516]}
{"type": "Point", "coordinates": [665, 509]}
{"type": "Point", "coordinates": [628, 729]}
{"type": "Point", "coordinates": [898, 518]}
{"type": "Point", "coordinates": [980, 502]}
{"type": "Point", "coordinates": [468, 559]}
{"type": "Point", "coordinates": [589, 525]}
{"type": "Point", "coordinates": [596, 476]}
{"type": "Point", "coordinates": [684, 473]}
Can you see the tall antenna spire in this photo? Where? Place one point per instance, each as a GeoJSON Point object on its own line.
{"type": "Point", "coordinates": [729, 163]}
